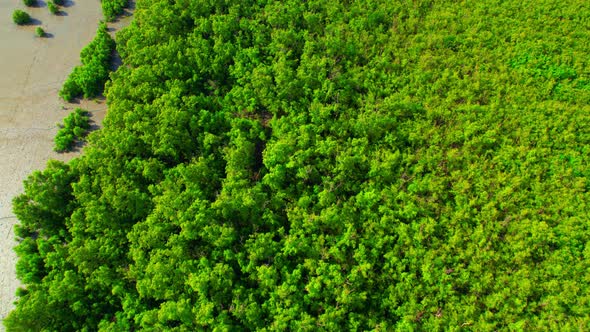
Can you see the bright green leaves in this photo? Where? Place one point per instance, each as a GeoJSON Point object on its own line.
{"type": "Point", "coordinates": [113, 8]}
{"type": "Point", "coordinates": [74, 128]}
{"type": "Point", "coordinates": [377, 165]}
{"type": "Point", "coordinates": [30, 267]}
{"type": "Point", "coordinates": [47, 201]}
{"type": "Point", "coordinates": [43, 211]}
{"type": "Point", "coordinates": [89, 78]}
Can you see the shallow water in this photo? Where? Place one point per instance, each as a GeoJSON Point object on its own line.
{"type": "Point", "coordinates": [32, 70]}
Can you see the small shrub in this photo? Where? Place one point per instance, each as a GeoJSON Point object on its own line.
{"type": "Point", "coordinates": [74, 127]}
{"type": "Point", "coordinates": [29, 3]}
{"type": "Point", "coordinates": [53, 9]}
{"type": "Point", "coordinates": [20, 17]}
{"type": "Point", "coordinates": [40, 32]}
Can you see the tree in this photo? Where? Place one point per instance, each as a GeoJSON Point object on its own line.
{"type": "Point", "coordinates": [113, 8]}
{"type": "Point", "coordinates": [40, 32]}
{"type": "Point", "coordinates": [74, 127]}
{"type": "Point", "coordinates": [20, 17]}
{"type": "Point", "coordinates": [89, 78]}
{"type": "Point", "coordinates": [53, 9]}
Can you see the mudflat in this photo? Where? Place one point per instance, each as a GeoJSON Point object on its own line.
{"type": "Point", "coordinates": [32, 72]}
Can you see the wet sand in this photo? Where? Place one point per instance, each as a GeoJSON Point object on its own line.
{"type": "Point", "coordinates": [32, 71]}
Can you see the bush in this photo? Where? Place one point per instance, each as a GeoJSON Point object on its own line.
{"type": "Point", "coordinates": [113, 8]}
{"type": "Point", "coordinates": [71, 89]}
{"type": "Point", "coordinates": [74, 128]}
{"type": "Point", "coordinates": [29, 3]}
{"type": "Point", "coordinates": [40, 32]}
{"type": "Point", "coordinates": [53, 9]}
{"type": "Point", "coordinates": [89, 78]}
{"type": "Point", "coordinates": [20, 17]}
{"type": "Point", "coordinates": [59, 2]}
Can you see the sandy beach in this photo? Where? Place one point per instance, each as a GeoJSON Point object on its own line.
{"type": "Point", "coordinates": [33, 70]}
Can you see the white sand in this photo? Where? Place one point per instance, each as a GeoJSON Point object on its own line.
{"type": "Point", "coordinates": [32, 70]}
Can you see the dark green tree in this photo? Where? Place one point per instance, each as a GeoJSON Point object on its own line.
{"type": "Point", "coordinates": [20, 17]}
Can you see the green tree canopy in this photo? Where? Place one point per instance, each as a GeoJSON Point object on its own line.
{"type": "Point", "coordinates": [324, 166]}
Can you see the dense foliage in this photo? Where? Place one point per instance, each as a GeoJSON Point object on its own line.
{"type": "Point", "coordinates": [113, 8]}
{"type": "Point", "coordinates": [21, 17]}
{"type": "Point", "coordinates": [30, 3]}
{"type": "Point", "coordinates": [325, 165]}
{"type": "Point", "coordinates": [74, 128]}
{"type": "Point", "coordinates": [89, 78]}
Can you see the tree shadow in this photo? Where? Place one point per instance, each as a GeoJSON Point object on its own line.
{"type": "Point", "coordinates": [61, 13]}
{"type": "Point", "coordinates": [131, 5]}
{"type": "Point", "coordinates": [68, 3]}
{"type": "Point", "coordinates": [33, 22]}
{"type": "Point", "coordinates": [127, 11]}
{"type": "Point", "coordinates": [94, 126]}
{"type": "Point", "coordinates": [116, 60]}
{"type": "Point", "coordinates": [39, 4]}
{"type": "Point", "coordinates": [77, 147]}
{"type": "Point", "coordinates": [100, 99]}
{"type": "Point", "coordinates": [48, 35]}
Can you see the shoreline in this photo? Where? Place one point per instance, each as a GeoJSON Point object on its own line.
{"type": "Point", "coordinates": [33, 72]}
